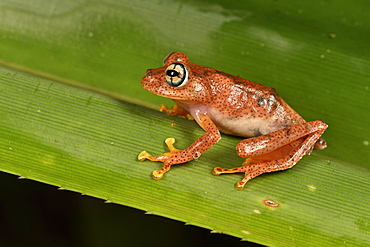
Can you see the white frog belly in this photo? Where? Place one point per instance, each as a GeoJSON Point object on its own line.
{"type": "Point", "coordinates": [246, 126]}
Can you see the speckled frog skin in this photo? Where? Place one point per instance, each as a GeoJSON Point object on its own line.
{"type": "Point", "coordinates": [222, 102]}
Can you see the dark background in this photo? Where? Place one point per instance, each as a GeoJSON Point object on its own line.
{"type": "Point", "coordinates": [36, 214]}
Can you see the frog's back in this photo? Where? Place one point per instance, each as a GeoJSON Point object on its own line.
{"type": "Point", "coordinates": [245, 108]}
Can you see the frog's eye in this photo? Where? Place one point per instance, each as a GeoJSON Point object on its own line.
{"type": "Point", "coordinates": [176, 75]}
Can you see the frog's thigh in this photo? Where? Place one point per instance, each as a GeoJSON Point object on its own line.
{"type": "Point", "coordinates": [276, 154]}
{"type": "Point", "coordinates": [265, 144]}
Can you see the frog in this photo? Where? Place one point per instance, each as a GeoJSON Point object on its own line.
{"type": "Point", "coordinates": [275, 137]}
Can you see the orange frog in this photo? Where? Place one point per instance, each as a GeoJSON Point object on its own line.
{"type": "Point", "coordinates": [222, 102]}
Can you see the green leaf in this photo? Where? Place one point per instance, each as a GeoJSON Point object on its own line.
{"type": "Point", "coordinates": [314, 53]}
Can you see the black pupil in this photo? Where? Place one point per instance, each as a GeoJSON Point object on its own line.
{"type": "Point", "coordinates": [172, 73]}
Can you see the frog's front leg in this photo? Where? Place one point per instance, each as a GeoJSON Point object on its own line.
{"type": "Point", "coordinates": [278, 150]}
{"type": "Point", "coordinates": [176, 156]}
{"type": "Point", "coordinates": [175, 110]}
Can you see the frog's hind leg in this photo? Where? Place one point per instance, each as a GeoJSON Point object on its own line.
{"type": "Point", "coordinates": [254, 166]}
{"type": "Point", "coordinates": [291, 145]}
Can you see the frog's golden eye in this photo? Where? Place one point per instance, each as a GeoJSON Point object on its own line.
{"type": "Point", "coordinates": [176, 75]}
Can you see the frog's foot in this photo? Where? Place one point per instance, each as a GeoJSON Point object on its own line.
{"type": "Point", "coordinates": [158, 174]}
{"type": "Point", "coordinates": [251, 171]}
{"type": "Point", "coordinates": [175, 110]}
{"type": "Point", "coordinates": [248, 167]}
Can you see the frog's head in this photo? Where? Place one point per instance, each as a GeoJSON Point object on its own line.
{"type": "Point", "coordinates": [178, 79]}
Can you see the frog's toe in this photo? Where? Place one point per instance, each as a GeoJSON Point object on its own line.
{"type": "Point", "coordinates": [169, 142]}
{"type": "Point", "coordinates": [217, 171]}
{"type": "Point", "coordinates": [249, 170]}
{"type": "Point", "coordinates": [240, 185]}
{"type": "Point", "coordinates": [144, 155]}
{"type": "Point", "coordinates": [157, 174]}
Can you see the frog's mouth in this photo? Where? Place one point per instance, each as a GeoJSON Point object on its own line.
{"type": "Point", "coordinates": [159, 88]}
